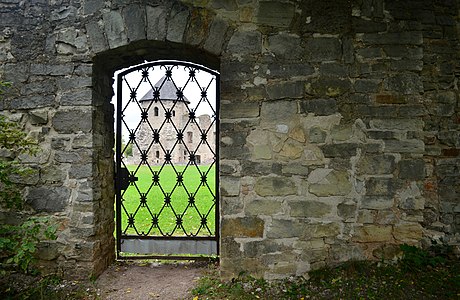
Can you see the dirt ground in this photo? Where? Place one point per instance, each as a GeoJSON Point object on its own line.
{"type": "Point", "coordinates": [136, 281]}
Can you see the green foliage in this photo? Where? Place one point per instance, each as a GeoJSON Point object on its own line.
{"type": "Point", "coordinates": [351, 280]}
{"type": "Point", "coordinates": [416, 258]}
{"type": "Point", "coordinates": [18, 243]}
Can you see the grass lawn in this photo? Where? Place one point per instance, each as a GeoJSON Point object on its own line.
{"type": "Point", "coordinates": [191, 202]}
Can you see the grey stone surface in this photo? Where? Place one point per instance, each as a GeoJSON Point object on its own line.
{"type": "Point", "coordinates": [48, 199]}
{"type": "Point", "coordinates": [92, 6]}
{"type": "Point", "coordinates": [216, 38]}
{"type": "Point", "coordinates": [339, 121]}
{"type": "Point", "coordinates": [96, 37]}
{"type": "Point", "coordinates": [275, 186]}
{"type": "Point", "coordinates": [156, 23]}
{"type": "Point", "coordinates": [245, 42]}
{"type": "Point", "coordinates": [282, 90]}
{"type": "Point", "coordinates": [323, 49]}
{"type": "Point", "coordinates": [177, 23]}
{"type": "Point", "coordinates": [412, 169]}
{"type": "Point", "coordinates": [134, 17]}
{"type": "Point", "coordinates": [274, 13]}
{"type": "Point", "coordinates": [320, 107]}
{"type": "Point", "coordinates": [72, 120]}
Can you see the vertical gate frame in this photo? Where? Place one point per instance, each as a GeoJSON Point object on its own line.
{"type": "Point", "coordinates": [118, 166]}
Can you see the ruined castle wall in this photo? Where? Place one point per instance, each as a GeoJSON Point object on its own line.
{"type": "Point", "coordinates": [339, 134]}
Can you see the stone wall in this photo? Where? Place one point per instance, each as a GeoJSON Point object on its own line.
{"type": "Point", "coordinates": [339, 121]}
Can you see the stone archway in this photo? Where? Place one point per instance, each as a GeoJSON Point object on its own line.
{"type": "Point", "coordinates": [105, 64]}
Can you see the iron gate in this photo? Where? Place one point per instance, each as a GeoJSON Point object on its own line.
{"type": "Point", "coordinates": [166, 161]}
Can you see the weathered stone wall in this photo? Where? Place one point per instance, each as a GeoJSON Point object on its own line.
{"type": "Point", "coordinates": [339, 120]}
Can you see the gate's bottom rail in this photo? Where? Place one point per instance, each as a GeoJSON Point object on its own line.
{"type": "Point", "coordinates": [167, 248]}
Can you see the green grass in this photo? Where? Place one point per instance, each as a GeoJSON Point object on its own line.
{"type": "Point", "coordinates": [191, 212]}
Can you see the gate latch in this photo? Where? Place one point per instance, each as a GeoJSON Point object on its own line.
{"type": "Point", "coordinates": [126, 178]}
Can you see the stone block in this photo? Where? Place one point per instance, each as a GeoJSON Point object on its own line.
{"type": "Point", "coordinates": [230, 248]}
{"type": "Point", "coordinates": [199, 24]}
{"type": "Point", "coordinates": [408, 232]}
{"type": "Point", "coordinates": [31, 102]}
{"type": "Point", "coordinates": [381, 186]}
{"type": "Point", "coordinates": [406, 84]}
{"type": "Point", "coordinates": [346, 211]}
{"type": "Point", "coordinates": [287, 89]}
{"type": "Point", "coordinates": [367, 85]}
{"type": "Point", "coordinates": [333, 69]}
{"type": "Point", "coordinates": [251, 168]}
{"type": "Point", "coordinates": [216, 37]}
{"type": "Point", "coordinates": [242, 227]}
{"type": "Point", "coordinates": [229, 186]}
{"type": "Point", "coordinates": [317, 135]}
{"type": "Point", "coordinates": [321, 231]}
{"type": "Point", "coordinates": [285, 46]}
{"type": "Point", "coordinates": [92, 6]}
{"type": "Point", "coordinates": [394, 38]}
{"type": "Point", "coordinates": [342, 253]}
{"type": "Point", "coordinates": [323, 49]}
{"type": "Point", "coordinates": [263, 207]}
{"type": "Point", "coordinates": [340, 150]}
{"type": "Point", "coordinates": [81, 171]}
{"type": "Point", "coordinates": [245, 42]}
{"type": "Point", "coordinates": [231, 205]}
{"type": "Point", "coordinates": [53, 174]}
{"type": "Point", "coordinates": [397, 124]}
{"type": "Point", "coordinates": [72, 121]}
{"type": "Point", "coordinates": [177, 23]}
{"type": "Point", "coordinates": [77, 98]}
{"type": "Point", "coordinates": [387, 252]}
{"type": "Point", "coordinates": [280, 70]}
{"type": "Point", "coordinates": [96, 37]}
{"type": "Point", "coordinates": [373, 234]}
{"type": "Point", "coordinates": [376, 164]}
{"type": "Point", "coordinates": [156, 23]}
{"type": "Point", "coordinates": [295, 169]}
{"type": "Point", "coordinates": [320, 107]}
{"type": "Point", "coordinates": [390, 99]}
{"type": "Point", "coordinates": [240, 110]}
{"type": "Point", "coordinates": [412, 169]}
{"type": "Point", "coordinates": [282, 228]}
{"type": "Point", "coordinates": [278, 112]}
{"type": "Point", "coordinates": [327, 86]}
{"type": "Point", "coordinates": [335, 183]}
{"type": "Point", "coordinates": [135, 23]}
{"type": "Point", "coordinates": [375, 202]}
{"type": "Point", "coordinates": [310, 209]}
{"type": "Point", "coordinates": [38, 117]}
{"type": "Point", "coordinates": [276, 14]}
{"type": "Point", "coordinates": [407, 146]}
{"type": "Point", "coordinates": [260, 248]}
{"type": "Point", "coordinates": [275, 186]}
{"type": "Point", "coordinates": [48, 199]}
{"type": "Point", "coordinates": [114, 28]}
{"type": "Point", "coordinates": [314, 255]}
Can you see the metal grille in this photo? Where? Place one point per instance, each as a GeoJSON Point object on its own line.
{"type": "Point", "coordinates": [166, 160]}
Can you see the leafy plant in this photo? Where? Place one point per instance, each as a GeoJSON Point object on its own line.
{"type": "Point", "coordinates": [18, 243]}
{"type": "Point", "coordinates": [416, 258]}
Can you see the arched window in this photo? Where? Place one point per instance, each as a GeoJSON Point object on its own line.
{"type": "Point", "coordinates": [174, 113]}
{"type": "Point", "coordinates": [155, 111]}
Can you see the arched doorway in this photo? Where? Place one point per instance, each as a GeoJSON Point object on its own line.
{"type": "Point", "coordinates": [105, 64]}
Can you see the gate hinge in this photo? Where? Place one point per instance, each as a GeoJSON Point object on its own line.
{"type": "Point", "coordinates": [125, 178]}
